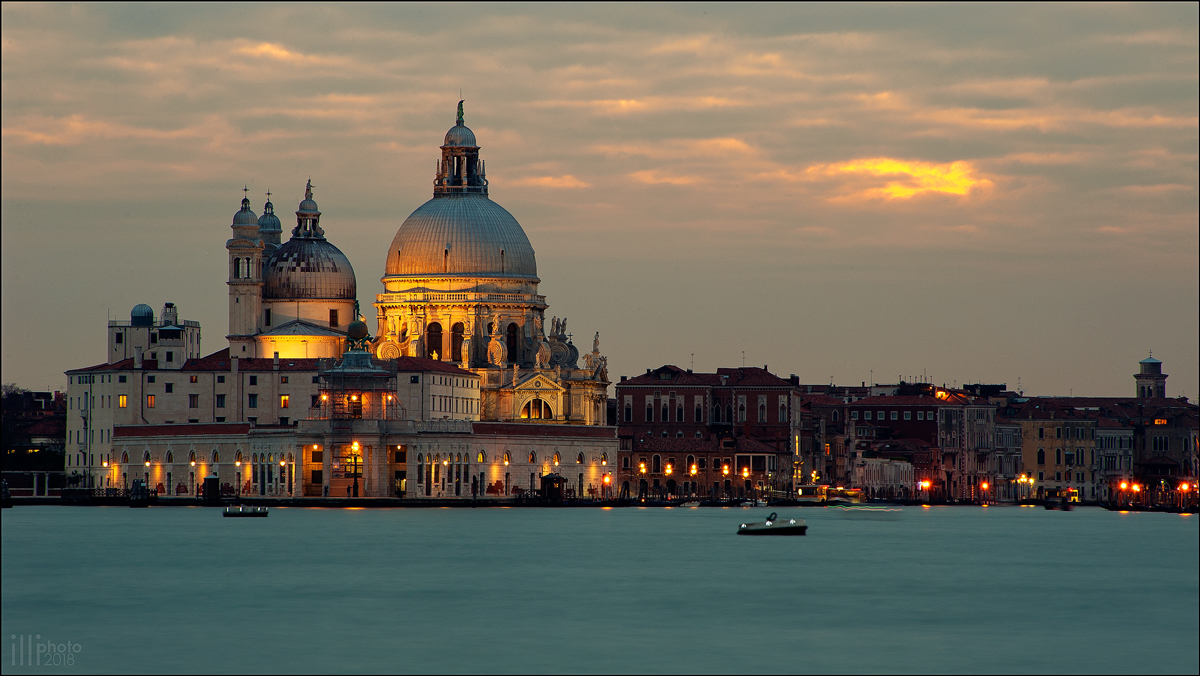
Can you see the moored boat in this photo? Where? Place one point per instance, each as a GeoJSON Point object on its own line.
{"type": "Point", "coordinates": [243, 511]}
{"type": "Point", "coordinates": [774, 526]}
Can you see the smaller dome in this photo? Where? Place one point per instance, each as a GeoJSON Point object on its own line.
{"type": "Point", "coordinates": [460, 135]}
{"type": "Point", "coordinates": [269, 222]}
{"type": "Point", "coordinates": [308, 268]}
{"type": "Point", "coordinates": [141, 315]}
{"type": "Point", "coordinates": [308, 206]}
{"type": "Point", "coordinates": [245, 216]}
{"type": "Point", "coordinates": [357, 330]}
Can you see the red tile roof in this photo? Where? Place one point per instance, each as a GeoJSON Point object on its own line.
{"type": "Point", "coordinates": [749, 376]}
{"type": "Point", "coordinates": [541, 430]}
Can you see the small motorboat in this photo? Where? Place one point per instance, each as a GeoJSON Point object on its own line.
{"type": "Point", "coordinates": [773, 526]}
{"type": "Point", "coordinates": [751, 502]}
{"type": "Point", "coordinates": [870, 511]}
{"type": "Point", "coordinates": [243, 511]}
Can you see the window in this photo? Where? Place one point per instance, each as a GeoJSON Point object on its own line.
{"type": "Point", "coordinates": [894, 415]}
{"type": "Point", "coordinates": [908, 415]}
{"type": "Point", "coordinates": [170, 356]}
{"type": "Point", "coordinates": [220, 379]}
{"type": "Point", "coordinates": [267, 317]}
{"type": "Point", "coordinates": [1058, 433]}
{"type": "Point", "coordinates": [854, 415]}
{"type": "Point", "coordinates": [625, 462]}
{"type": "Point", "coordinates": [220, 401]}
{"type": "Point", "coordinates": [1041, 433]}
{"type": "Point", "coordinates": [169, 387]}
{"type": "Point", "coordinates": [120, 338]}
{"type": "Point", "coordinates": [782, 413]}
{"type": "Point", "coordinates": [193, 401]}
{"type": "Point", "coordinates": [314, 402]}
{"type": "Point", "coordinates": [699, 413]}
{"type": "Point", "coordinates": [649, 412]}
{"type": "Point", "coordinates": [536, 409]}
{"type": "Point", "coordinates": [149, 401]}
{"type": "Point", "coordinates": [121, 379]}
{"type": "Point", "coordinates": [1041, 457]}
{"type": "Point", "coordinates": [149, 379]}
{"type": "Point", "coordinates": [866, 415]}
{"type": "Point", "coordinates": [122, 401]}
{"type": "Point", "coordinates": [414, 379]}
{"type": "Point", "coordinates": [1058, 456]}
{"type": "Point", "coordinates": [283, 379]}
{"type": "Point", "coordinates": [333, 319]}
{"type": "Point", "coordinates": [192, 379]}
{"type": "Point", "coordinates": [679, 413]}
{"type": "Point", "coordinates": [253, 380]}
{"type": "Point", "coordinates": [433, 341]}
{"type": "Point", "coordinates": [284, 400]}
{"type": "Point", "coordinates": [153, 337]}
{"type": "Point", "coordinates": [253, 401]}
{"type": "Point", "coordinates": [762, 413]}
{"type": "Point", "coordinates": [666, 414]}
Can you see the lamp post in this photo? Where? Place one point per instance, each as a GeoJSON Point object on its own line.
{"type": "Point", "coordinates": [355, 462]}
{"type": "Point", "coordinates": [238, 465]}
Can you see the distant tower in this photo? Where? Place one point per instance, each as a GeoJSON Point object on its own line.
{"type": "Point", "coordinates": [460, 170]}
{"type": "Point", "coordinates": [1151, 382]}
{"type": "Point", "coordinates": [245, 282]}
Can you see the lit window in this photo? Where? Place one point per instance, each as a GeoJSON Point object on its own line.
{"type": "Point", "coordinates": [193, 379]}
{"type": "Point", "coordinates": [122, 401]}
{"type": "Point", "coordinates": [283, 401]}
{"type": "Point", "coordinates": [149, 401]}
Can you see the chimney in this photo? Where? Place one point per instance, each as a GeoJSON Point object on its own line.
{"type": "Point", "coordinates": [276, 365]}
{"type": "Point", "coordinates": [137, 357]}
{"type": "Point", "coordinates": [622, 378]}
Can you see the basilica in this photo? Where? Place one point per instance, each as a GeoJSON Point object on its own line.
{"type": "Point", "coordinates": [464, 390]}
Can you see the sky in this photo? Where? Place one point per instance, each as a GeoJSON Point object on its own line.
{"type": "Point", "coordinates": [965, 193]}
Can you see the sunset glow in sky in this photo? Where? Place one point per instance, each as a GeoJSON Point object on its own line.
{"type": "Point", "coordinates": [979, 193]}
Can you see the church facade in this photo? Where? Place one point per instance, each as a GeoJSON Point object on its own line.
{"type": "Point", "coordinates": [462, 392]}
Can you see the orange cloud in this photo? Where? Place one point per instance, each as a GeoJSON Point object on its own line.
{"type": "Point", "coordinates": [655, 177]}
{"type": "Point", "coordinates": [907, 178]}
{"type": "Point", "coordinates": [566, 181]}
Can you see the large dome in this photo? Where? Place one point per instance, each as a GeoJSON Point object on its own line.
{"type": "Point", "coordinates": [308, 269]}
{"type": "Point", "coordinates": [463, 234]}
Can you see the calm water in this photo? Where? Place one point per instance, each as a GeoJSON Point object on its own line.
{"type": "Point", "coordinates": [951, 589]}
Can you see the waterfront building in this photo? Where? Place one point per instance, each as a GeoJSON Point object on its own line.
{"type": "Point", "coordinates": [746, 420]}
{"type": "Point", "coordinates": [462, 392]}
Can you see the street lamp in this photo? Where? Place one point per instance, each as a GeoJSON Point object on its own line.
{"type": "Point", "coordinates": [355, 461]}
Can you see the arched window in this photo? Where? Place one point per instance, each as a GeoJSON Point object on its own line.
{"type": "Point", "coordinates": [238, 457]}
{"type": "Point", "coordinates": [664, 434]}
{"type": "Point", "coordinates": [146, 457]}
{"type": "Point", "coordinates": [125, 458]}
{"type": "Point", "coordinates": [481, 458]}
{"type": "Point", "coordinates": [691, 460]}
{"type": "Point", "coordinates": [603, 458]}
{"type": "Point", "coordinates": [536, 409]}
{"type": "Point", "coordinates": [420, 458]}
{"type": "Point", "coordinates": [270, 458]}
{"type": "Point", "coordinates": [458, 457]}
{"type": "Point", "coordinates": [191, 457]}
{"type": "Point", "coordinates": [762, 413]}
{"type": "Point", "coordinates": [1041, 456]}
{"type": "Point", "coordinates": [835, 416]}
{"type": "Point", "coordinates": [507, 457]}
{"type": "Point", "coordinates": [557, 458]}
{"type": "Point", "coordinates": [656, 465]}
{"type": "Point", "coordinates": [170, 457]}
{"type": "Point", "coordinates": [216, 456]}
{"type": "Point", "coordinates": [782, 413]}
{"type": "Point", "coordinates": [679, 434]}
{"type": "Point", "coordinates": [456, 341]}
{"type": "Point", "coordinates": [579, 459]}
{"type": "Point", "coordinates": [532, 458]}
{"type": "Point", "coordinates": [511, 341]}
{"type": "Point", "coordinates": [666, 414]}
{"type": "Point", "coordinates": [679, 413]}
{"type": "Point", "coordinates": [699, 414]}
{"type": "Point", "coordinates": [741, 413]}
{"type": "Point", "coordinates": [649, 412]}
{"type": "Point", "coordinates": [628, 413]}
{"type": "Point", "coordinates": [433, 341]}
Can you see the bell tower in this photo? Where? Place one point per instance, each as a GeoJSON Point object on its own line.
{"type": "Point", "coordinates": [1151, 381]}
{"type": "Point", "coordinates": [245, 282]}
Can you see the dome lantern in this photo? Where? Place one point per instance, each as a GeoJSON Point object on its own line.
{"type": "Point", "coordinates": [460, 170]}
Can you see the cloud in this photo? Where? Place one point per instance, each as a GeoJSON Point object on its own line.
{"type": "Point", "coordinates": [656, 177]}
{"type": "Point", "coordinates": [903, 179]}
{"type": "Point", "coordinates": [565, 181]}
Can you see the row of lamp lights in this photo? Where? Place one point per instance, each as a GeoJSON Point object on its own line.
{"type": "Point", "coordinates": [671, 468]}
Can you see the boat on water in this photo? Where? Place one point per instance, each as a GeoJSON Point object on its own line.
{"type": "Point", "coordinates": [243, 511]}
{"type": "Point", "coordinates": [774, 526]}
{"type": "Point", "coordinates": [690, 503]}
{"type": "Point", "coordinates": [751, 502]}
